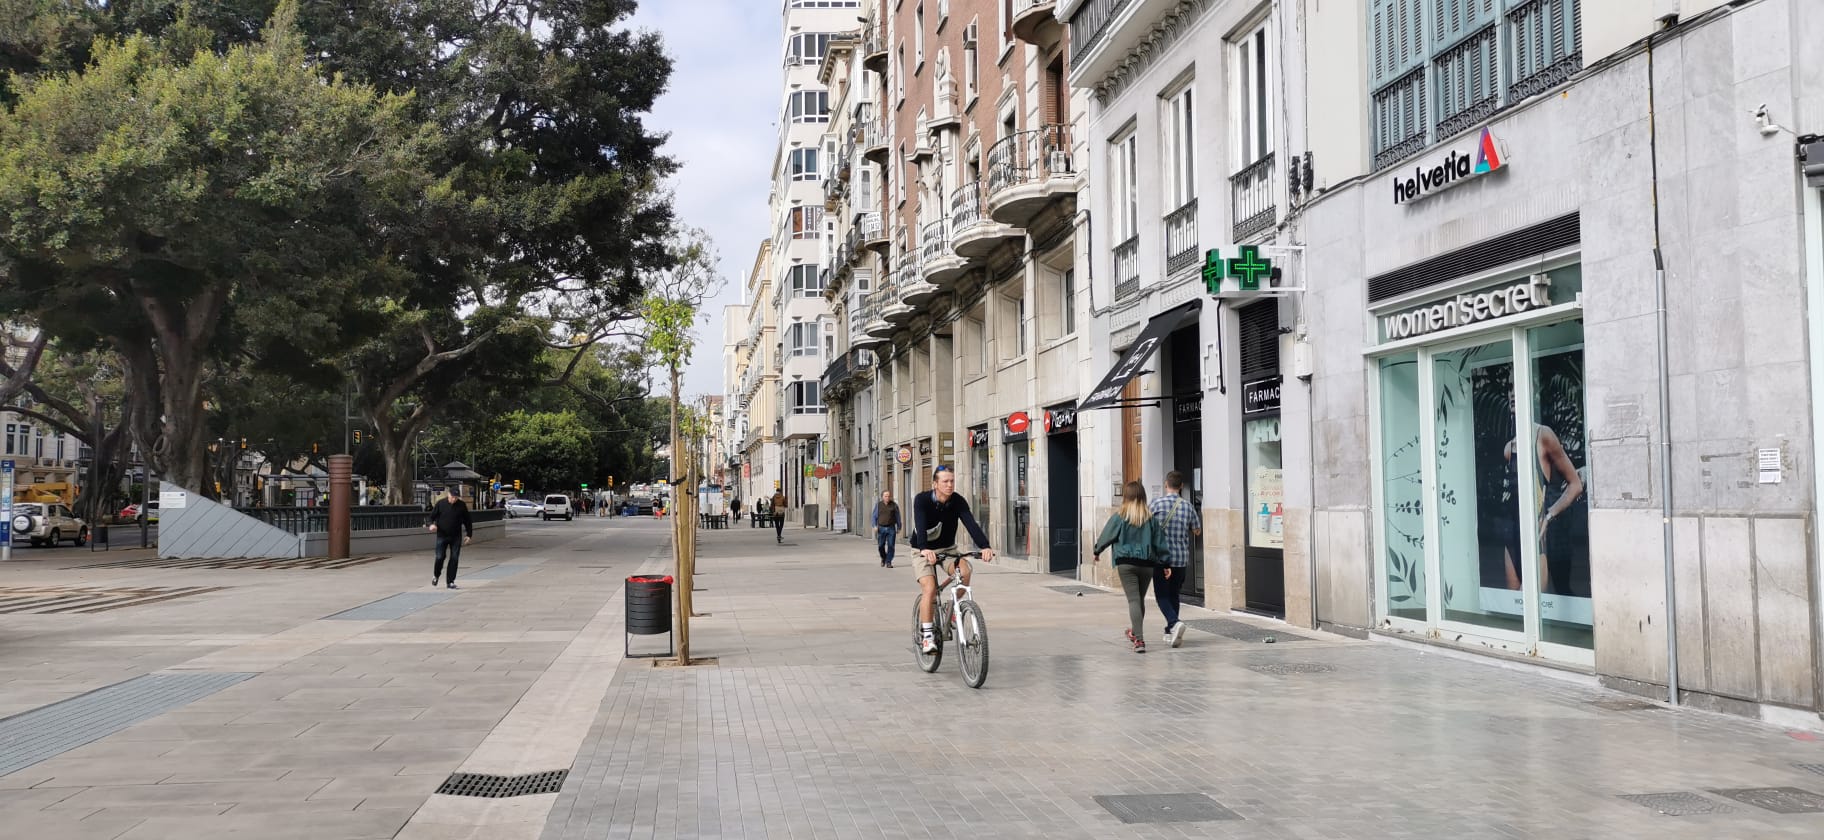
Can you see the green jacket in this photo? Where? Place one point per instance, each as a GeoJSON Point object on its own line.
{"type": "Point", "coordinates": [1135, 545]}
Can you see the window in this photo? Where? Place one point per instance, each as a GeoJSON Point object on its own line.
{"type": "Point", "coordinates": [972, 64]}
{"type": "Point", "coordinates": [1010, 327]}
{"type": "Point", "coordinates": [802, 338]}
{"type": "Point", "coordinates": [1126, 193]}
{"type": "Point", "coordinates": [1019, 315]}
{"type": "Point", "coordinates": [823, 4]}
{"type": "Point", "coordinates": [899, 74]}
{"type": "Point", "coordinates": [806, 48]}
{"type": "Point", "coordinates": [1252, 62]}
{"type": "Point", "coordinates": [1067, 298]}
{"type": "Point", "coordinates": [1180, 137]}
{"type": "Point", "coordinates": [1436, 69]}
{"type": "Point", "coordinates": [806, 281]}
{"type": "Point", "coordinates": [801, 165]}
{"type": "Point", "coordinates": [808, 106]}
{"type": "Point", "coordinates": [918, 35]}
{"type": "Point", "coordinates": [806, 222]}
{"type": "Point", "coordinates": [975, 344]}
{"type": "Point", "coordinates": [899, 184]}
{"type": "Point", "coordinates": [805, 397]}
{"type": "Point", "coordinates": [11, 428]}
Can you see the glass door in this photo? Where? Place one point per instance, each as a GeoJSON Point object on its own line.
{"type": "Point", "coordinates": [1477, 507]}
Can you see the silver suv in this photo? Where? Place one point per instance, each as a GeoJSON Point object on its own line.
{"type": "Point", "coordinates": [48, 524]}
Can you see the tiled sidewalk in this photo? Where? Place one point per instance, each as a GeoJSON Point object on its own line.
{"type": "Point", "coordinates": [815, 723]}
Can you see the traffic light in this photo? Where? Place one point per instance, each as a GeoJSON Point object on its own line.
{"type": "Point", "coordinates": [313, 449]}
{"type": "Point", "coordinates": [610, 484]}
{"type": "Point", "coordinates": [243, 443]}
{"type": "Point", "coordinates": [516, 485]}
{"type": "Point", "coordinates": [585, 486]}
{"type": "Point", "coordinates": [357, 437]}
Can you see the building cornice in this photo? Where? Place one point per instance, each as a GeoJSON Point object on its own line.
{"type": "Point", "coordinates": [1164, 34]}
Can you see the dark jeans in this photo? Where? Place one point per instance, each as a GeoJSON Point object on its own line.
{"type": "Point", "coordinates": [779, 525]}
{"type": "Point", "coordinates": [454, 545]}
{"type": "Point", "coordinates": [1166, 592]}
{"type": "Point", "coordinates": [886, 540]}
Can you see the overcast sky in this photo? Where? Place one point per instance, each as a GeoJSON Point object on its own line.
{"type": "Point", "coordinates": [720, 111]}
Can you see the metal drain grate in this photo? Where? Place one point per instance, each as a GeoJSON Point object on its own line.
{"type": "Point", "coordinates": [1678, 804]}
{"type": "Point", "coordinates": [397, 606]}
{"type": "Point", "coordinates": [1077, 590]}
{"type": "Point", "coordinates": [498, 787]}
{"type": "Point", "coordinates": [1242, 631]}
{"type": "Point", "coordinates": [1165, 808]}
{"type": "Point", "coordinates": [1287, 669]}
{"type": "Point", "coordinates": [1780, 800]}
{"type": "Point", "coordinates": [1625, 705]}
{"type": "Point", "coordinates": [48, 731]}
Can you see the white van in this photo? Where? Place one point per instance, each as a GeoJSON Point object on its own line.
{"type": "Point", "coordinates": [557, 505]}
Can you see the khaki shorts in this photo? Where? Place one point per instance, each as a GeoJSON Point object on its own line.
{"type": "Point", "coordinates": [922, 567]}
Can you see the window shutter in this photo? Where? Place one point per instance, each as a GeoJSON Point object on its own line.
{"type": "Point", "coordinates": [1259, 339]}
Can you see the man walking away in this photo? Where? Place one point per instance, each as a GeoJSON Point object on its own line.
{"type": "Point", "coordinates": [886, 527]}
{"type": "Point", "coordinates": [734, 508]}
{"type": "Point", "coordinates": [1178, 518]}
{"type": "Point", "coordinates": [454, 527]}
{"type": "Point", "coordinates": [779, 516]}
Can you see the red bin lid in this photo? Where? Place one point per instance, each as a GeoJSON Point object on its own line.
{"type": "Point", "coordinates": [650, 579]}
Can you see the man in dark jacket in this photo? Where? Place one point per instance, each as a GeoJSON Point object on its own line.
{"type": "Point", "coordinates": [450, 520]}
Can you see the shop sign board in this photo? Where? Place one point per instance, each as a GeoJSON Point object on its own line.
{"type": "Point", "coordinates": [905, 455]}
{"type": "Point", "coordinates": [1260, 396]}
{"type": "Point", "coordinates": [1061, 420]}
{"type": "Point", "coordinates": [978, 438]}
{"type": "Point", "coordinates": [1535, 292]}
{"type": "Point", "coordinates": [1015, 427]}
{"type": "Point", "coordinates": [1448, 167]}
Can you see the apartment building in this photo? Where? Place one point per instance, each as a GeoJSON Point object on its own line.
{"type": "Point", "coordinates": [1192, 199]}
{"type": "Point", "coordinates": [952, 264]}
{"type": "Point", "coordinates": [41, 453]}
{"type": "Point", "coordinates": [756, 381]}
{"type": "Point", "coordinates": [736, 351]}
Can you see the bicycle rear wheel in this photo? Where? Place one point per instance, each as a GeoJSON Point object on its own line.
{"type": "Point", "coordinates": [973, 646]}
{"type": "Point", "coordinates": [926, 663]}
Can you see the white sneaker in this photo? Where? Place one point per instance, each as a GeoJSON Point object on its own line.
{"type": "Point", "coordinates": [927, 646]}
{"type": "Point", "coordinates": [1176, 634]}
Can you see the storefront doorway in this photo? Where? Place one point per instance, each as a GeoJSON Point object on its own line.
{"type": "Point", "coordinates": [1263, 477]}
{"type": "Point", "coordinates": [1184, 382]}
{"type": "Point", "coordinates": [1016, 434]}
{"type": "Point", "coordinates": [1485, 529]}
{"type": "Point", "coordinates": [979, 479]}
{"type": "Point", "coordinates": [1061, 498]}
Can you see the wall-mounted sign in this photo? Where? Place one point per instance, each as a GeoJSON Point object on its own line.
{"type": "Point", "coordinates": [905, 455]}
{"type": "Point", "coordinates": [1449, 167]}
{"type": "Point", "coordinates": [1061, 420]}
{"type": "Point", "coordinates": [1259, 396]}
{"type": "Point", "coordinates": [1015, 427]}
{"type": "Point", "coordinates": [978, 438]}
{"type": "Point", "coordinates": [924, 447]}
{"type": "Point", "coordinates": [1187, 409]}
{"type": "Point", "coordinates": [1534, 292]}
{"type": "Point", "coordinates": [835, 468]}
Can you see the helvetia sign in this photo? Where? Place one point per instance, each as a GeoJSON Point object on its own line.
{"type": "Point", "coordinates": [1455, 167]}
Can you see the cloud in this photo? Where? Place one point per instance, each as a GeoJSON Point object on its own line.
{"type": "Point", "coordinates": [721, 113]}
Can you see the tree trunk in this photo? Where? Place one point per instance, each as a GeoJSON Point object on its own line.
{"type": "Point", "coordinates": [396, 448]}
{"type": "Point", "coordinates": [679, 521]}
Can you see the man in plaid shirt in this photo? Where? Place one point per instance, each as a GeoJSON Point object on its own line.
{"type": "Point", "coordinates": [1178, 517]}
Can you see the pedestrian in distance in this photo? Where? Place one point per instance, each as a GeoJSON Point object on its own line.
{"type": "Point", "coordinates": [454, 528]}
{"type": "Point", "coordinates": [1177, 517]}
{"type": "Point", "coordinates": [886, 527]}
{"type": "Point", "coordinates": [1139, 547]}
{"type": "Point", "coordinates": [779, 516]}
{"type": "Point", "coordinates": [734, 507]}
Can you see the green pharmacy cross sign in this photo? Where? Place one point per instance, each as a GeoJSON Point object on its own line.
{"type": "Point", "coordinates": [1247, 270]}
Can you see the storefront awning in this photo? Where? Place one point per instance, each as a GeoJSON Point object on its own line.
{"type": "Point", "coordinates": [1107, 393]}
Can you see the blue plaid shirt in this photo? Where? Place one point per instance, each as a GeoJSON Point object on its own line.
{"type": "Point", "coordinates": [1177, 516]}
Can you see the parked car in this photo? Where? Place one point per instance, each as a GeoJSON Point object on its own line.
{"type": "Point", "coordinates": [132, 512]}
{"type": "Point", "coordinates": [640, 505]}
{"type": "Point", "coordinates": [50, 524]}
{"type": "Point", "coordinates": [517, 508]}
{"type": "Point", "coordinates": [557, 505]}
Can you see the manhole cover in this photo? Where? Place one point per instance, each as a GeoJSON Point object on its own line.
{"type": "Point", "coordinates": [1811, 768]}
{"type": "Point", "coordinates": [1076, 590]}
{"type": "Point", "coordinates": [1678, 804]}
{"type": "Point", "coordinates": [1242, 631]}
{"type": "Point", "coordinates": [1286, 669]}
{"type": "Point", "coordinates": [497, 787]}
{"type": "Point", "coordinates": [1780, 800]}
{"type": "Point", "coordinates": [1624, 705]}
{"type": "Point", "coordinates": [1165, 808]}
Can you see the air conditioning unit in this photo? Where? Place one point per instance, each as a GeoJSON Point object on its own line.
{"type": "Point", "coordinates": [970, 38]}
{"type": "Point", "coordinates": [1058, 161]}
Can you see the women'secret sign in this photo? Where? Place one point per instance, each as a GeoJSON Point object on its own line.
{"type": "Point", "coordinates": [1469, 308]}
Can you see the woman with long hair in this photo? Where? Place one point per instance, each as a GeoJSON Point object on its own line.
{"type": "Point", "coordinates": [1139, 547]}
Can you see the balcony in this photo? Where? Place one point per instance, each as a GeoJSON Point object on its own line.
{"type": "Point", "coordinates": [974, 235]}
{"type": "Point", "coordinates": [914, 292]}
{"type": "Point", "coordinates": [1181, 239]}
{"type": "Point", "coordinates": [834, 191]}
{"type": "Point", "coordinates": [1101, 31]}
{"type": "Point", "coordinates": [873, 136]}
{"type": "Point", "coordinates": [804, 421]}
{"type": "Point", "coordinates": [869, 232]}
{"type": "Point", "coordinates": [864, 312]}
{"type": "Point", "coordinates": [874, 47]}
{"type": "Point", "coordinates": [942, 265]}
{"type": "Point", "coordinates": [1036, 22]}
{"type": "Point", "coordinates": [1251, 191]}
{"type": "Point", "coordinates": [848, 372]}
{"type": "Point", "coordinates": [1027, 171]}
{"type": "Point", "coordinates": [1127, 268]}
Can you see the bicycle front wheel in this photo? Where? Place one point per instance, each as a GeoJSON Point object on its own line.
{"type": "Point", "coordinates": [973, 646]}
{"type": "Point", "coordinates": [926, 662]}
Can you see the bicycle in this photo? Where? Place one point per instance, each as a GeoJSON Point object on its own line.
{"type": "Point", "coordinates": [956, 616]}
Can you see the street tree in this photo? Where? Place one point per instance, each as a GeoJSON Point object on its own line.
{"type": "Point", "coordinates": [548, 451]}
{"type": "Point", "coordinates": [146, 198]}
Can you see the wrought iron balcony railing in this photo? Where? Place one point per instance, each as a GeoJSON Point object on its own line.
{"type": "Point", "coordinates": [1251, 192]}
{"type": "Point", "coordinates": [1028, 156]}
{"type": "Point", "coordinates": [1181, 238]}
{"type": "Point", "coordinates": [1127, 268]}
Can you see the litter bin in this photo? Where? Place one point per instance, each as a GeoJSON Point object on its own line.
{"type": "Point", "coordinates": [648, 610]}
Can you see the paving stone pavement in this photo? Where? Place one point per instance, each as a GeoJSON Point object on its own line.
{"type": "Point", "coordinates": [815, 723]}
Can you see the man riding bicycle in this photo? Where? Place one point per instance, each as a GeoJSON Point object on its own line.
{"type": "Point", "coordinates": [935, 515]}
